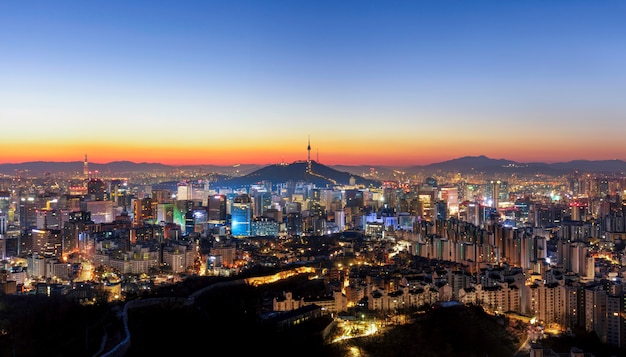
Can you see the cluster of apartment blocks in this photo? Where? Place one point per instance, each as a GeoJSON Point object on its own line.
{"type": "Point", "coordinates": [552, 297]}
{"type": "Point", "coordinates": [580, 284]}
{"type": "Point", "coordinates": [423, 215]}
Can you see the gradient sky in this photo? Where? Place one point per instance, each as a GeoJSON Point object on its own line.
{"type": "Point", "coordinates": [371, 82]}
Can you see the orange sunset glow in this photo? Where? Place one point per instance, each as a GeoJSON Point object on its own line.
{"type": "Point", "coordinates": [402, 85]}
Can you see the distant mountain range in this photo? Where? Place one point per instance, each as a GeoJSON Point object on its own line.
{"type": "Point", "coordinates": [323, 174]}
{"type": "Point", "coordinates": [487, 165]}
{"type": "Point", "coordinates": [37, 168]}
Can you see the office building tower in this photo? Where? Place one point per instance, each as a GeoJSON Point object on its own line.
{"type": "Point", "coordinates": [292, 207]}
{"type": "Point", "coordinates": [189, 190]}
{"type": "Point", "coordinates": [96, 189]}
{"type": "Point", "coordinates": [275, 214]}
{"type": "Point", "coordinates": [47, 242]}
{"type": "Point", "coordinates": [3, 236]}
{"type": "Point", "coordinates": [340, 220]}
{"type": "Point", "coordinates": [547, 215]}
{"type": "Point", "coordinates": [118, 193]}
{"type": "Point", "coordinates": [495, 193]}
{"type": "Point", "coordinates": [216, 207]}
{"type": "Point", "coordinates": [161, 195]}
{"type": "Point", "coordinates": [261, 200]}
{"type": "Point", "coordinates": [190, 223]}
{"type": "Point", "coordinates": [165, 213]}
{"type": "Point", "coordinates": [353, 198]}
{"type": "Point", "coordinates": [101, 211]}
{"type": "Point", "coordinates": [48, 219]}
{"type": "Point", "coordinates": [200, 219]}
{"type": "Point", "coordinates": [241, 216]}
{"type": "Point", "coordinates": [75, 230]}
{"type": "Point", "coordinates": [473, 214]}
{"type": "Point", "coordinates": [181, 208]}
{"type": "Point", "coordinates": [5, 202]}
{"type": "Point", "coordinates": [294, 224]}
{"type": "Point", "coordinates": [450, 195]}
{"type": "Point", "coordinates": [440, 210]}
{"type": "Point", "coordinates": [27, 212]}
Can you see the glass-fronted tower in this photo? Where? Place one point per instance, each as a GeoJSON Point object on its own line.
{"type": "Point", "coordinates": [241, 216]}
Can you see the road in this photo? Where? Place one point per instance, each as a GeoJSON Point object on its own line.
{"type": "Point", "coordinates": [524, 348]}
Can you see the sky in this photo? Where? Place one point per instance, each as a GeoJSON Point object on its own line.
{"type": "Point", "coordinates": [396, 83]}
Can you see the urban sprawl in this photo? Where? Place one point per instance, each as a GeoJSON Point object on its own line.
{"type": "Point", "coordinates": [545, 247]}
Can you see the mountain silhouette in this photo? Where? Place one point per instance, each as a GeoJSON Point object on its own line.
{"type": "Point", "coordinates": [38, 168]}
{"type": "Point", "coordinates": [486, 165]}
{"type": "Point", "coordinates": [320, 175]}
{"type": "Point", "coordinates": [469, 163]}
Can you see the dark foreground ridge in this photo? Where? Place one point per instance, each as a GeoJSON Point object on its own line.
{"type": "Point", "coordinates": [227, 318]}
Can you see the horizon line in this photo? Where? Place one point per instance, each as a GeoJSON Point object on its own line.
{"type": "Point", "coordinates": [304, 161]}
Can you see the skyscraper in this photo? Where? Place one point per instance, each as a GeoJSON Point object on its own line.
{"type": "Point", "coordinates": [217, 209]}
{"type": "Point", "coordinates": [495, 193]}
{"type": "Point", "coordinates": [241, 216]}
{"type": "Point", "coordinates": [96, 189]}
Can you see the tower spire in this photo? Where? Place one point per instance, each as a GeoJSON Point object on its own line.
{"type": "Point", "coordinates": [86, 168]}
{"type": "Point", "coordinates": [308, 160]}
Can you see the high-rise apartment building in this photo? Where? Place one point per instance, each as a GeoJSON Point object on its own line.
{"type": "Point", "coordinates": [143, 211]}
{"type": "Point", "coordinates": [616, 319]}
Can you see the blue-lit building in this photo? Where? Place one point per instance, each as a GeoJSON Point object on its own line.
{"type": "Point", "coordinates": [241, 216]}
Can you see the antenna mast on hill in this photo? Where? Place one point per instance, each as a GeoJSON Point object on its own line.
{"type": "Point", "coordinates": [308, 160]}
{"type": "Point", "coordinates": [86, 168]}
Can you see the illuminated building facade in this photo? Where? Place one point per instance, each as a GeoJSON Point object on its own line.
{"type": "Point", "coordinates": [143, 211]}
{"type": "Point", "coordinates": [75, 229]}
{"type": "Point", "coordinates": [101, 211]}
{"type": "Point", "coordinates": [264, 227]}
{"type": "Point", "coordinates": [241, 216]}
{"type": "Point", "coordinates": [165, 213]}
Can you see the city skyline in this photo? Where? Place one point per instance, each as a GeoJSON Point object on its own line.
{"type": "Point", "coordinates": [244, 82]}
